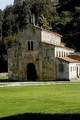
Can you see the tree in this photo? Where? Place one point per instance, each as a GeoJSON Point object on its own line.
{"type": "Point", "coordinates": [63, 18]}
{"type": "Point", "coordinates": [44, 7]}
{"type": "Point", "coordinates": [8, 21]}
{"type": "Point", "coordinates": [43, 22]}
{"type": "Point", "coordinates": [1, 23]}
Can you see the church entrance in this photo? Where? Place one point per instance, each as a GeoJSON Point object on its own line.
{"type": "Point", "coordinates": [31, 72]}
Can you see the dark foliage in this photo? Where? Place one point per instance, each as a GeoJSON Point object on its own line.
{"type": "Point", "coordinates": [39, 116]}
{"type": "Point", "coordinates": [62, 17]}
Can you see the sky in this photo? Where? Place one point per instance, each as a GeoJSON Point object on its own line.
{"type": "Point", "coordinates": [4, 3]}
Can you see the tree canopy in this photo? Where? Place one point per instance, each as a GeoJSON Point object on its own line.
{"type": "Point", "coordinates": [63, 17]}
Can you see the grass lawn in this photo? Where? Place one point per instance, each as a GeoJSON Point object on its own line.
{"type": "Point", "coordinates": [3, 76]}
{"type": "Point", "coordinates": [59, 98]}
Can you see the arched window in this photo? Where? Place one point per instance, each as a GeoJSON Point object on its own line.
{"type": "Point", "coordinates": [59, 54]}
{"type": "Point", "coordinates": [30, 45]}
{"type": "Point", "coordinates": [71, 69]}
{"type": "Point", "coordinates": [62, 54]}
{"type": "Point", "coordinates": [56, 53]}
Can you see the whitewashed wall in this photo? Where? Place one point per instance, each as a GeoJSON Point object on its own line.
{"type": "Point", "coordinates": [74, 71]}
{"type": "Point", "coordinates": [62, 52]}
{"type": "Point", "coordinates": [71, 71]}
{"type": "Point", "coordinates": [50, 38]}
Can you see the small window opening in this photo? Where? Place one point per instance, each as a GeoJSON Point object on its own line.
{"type": "Point", "coordinates": [31, 45]}
{"type": "Point", "coordinates": [28, 45]}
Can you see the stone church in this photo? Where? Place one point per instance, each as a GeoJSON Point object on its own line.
{"type": "Point", "coordinates": [40, 55]}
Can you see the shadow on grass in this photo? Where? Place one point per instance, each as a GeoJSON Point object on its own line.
{"type": "Point", "coordinates": [39, 116]}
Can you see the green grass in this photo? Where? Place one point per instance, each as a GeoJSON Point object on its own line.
{"type": "Point", "coordinates": [3, 76]}
{"type": "Point", "coordinates": [59, 98]}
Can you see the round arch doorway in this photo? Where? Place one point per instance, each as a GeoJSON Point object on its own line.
{"type": "Point", "coordinates": [31, 72]}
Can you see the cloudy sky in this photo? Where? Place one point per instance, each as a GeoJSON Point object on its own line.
{"type": "Point", "coordinates": [4, 3]}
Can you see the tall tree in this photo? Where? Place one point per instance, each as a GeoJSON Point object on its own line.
{"type": "Point", "coordinates": [1, 23]}
{"type": "Point", "coordinates": [43, 22]}
{"type": "Point", "coordinates": [8, 21]}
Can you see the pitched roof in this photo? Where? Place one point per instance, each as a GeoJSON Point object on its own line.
{"type": "Point", "coordinates": [76, 57]}
{"type": "Point", "coordinates": [68, 59]}
{"type": "Point", "coordinates": [47, 30]}
{"type": "Point", "coordinates": [60, 46]}
{"type": "Point", "coordinates": [63, 46]}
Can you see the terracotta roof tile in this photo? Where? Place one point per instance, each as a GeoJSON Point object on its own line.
{"type": "Point", "coordinates": [76, 57]}
{"type": "Point", "coordinates": [63, 46]}
{"type": "Point", "coordinates": [68, 59]}
{"type": "Point", "coordinates": [47, 31]}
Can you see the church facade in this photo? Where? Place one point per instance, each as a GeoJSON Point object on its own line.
{"type": "Point", "coordinates": [39, 54]}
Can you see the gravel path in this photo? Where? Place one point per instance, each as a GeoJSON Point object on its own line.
{"type": "Point", "coordinates": [7, 84]}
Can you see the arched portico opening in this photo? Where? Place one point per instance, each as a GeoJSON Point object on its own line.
{"type": "Point", "coordinates": [78, 75]}
{"type": "Point", "coordinates": [31, 72]}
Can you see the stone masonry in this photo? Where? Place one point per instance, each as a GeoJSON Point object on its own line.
{"type": "Point", "coordinates": [40, 56]}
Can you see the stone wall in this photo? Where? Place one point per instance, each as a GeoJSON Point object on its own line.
{"type": "Point", "coordinates": [13, 62]}
{"type": "Point", "coordinates": [48, 62]}
{"type": "Point", "coordinates": [62, 70]}
{"type": "Point", "coordinates": [42, 56]}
